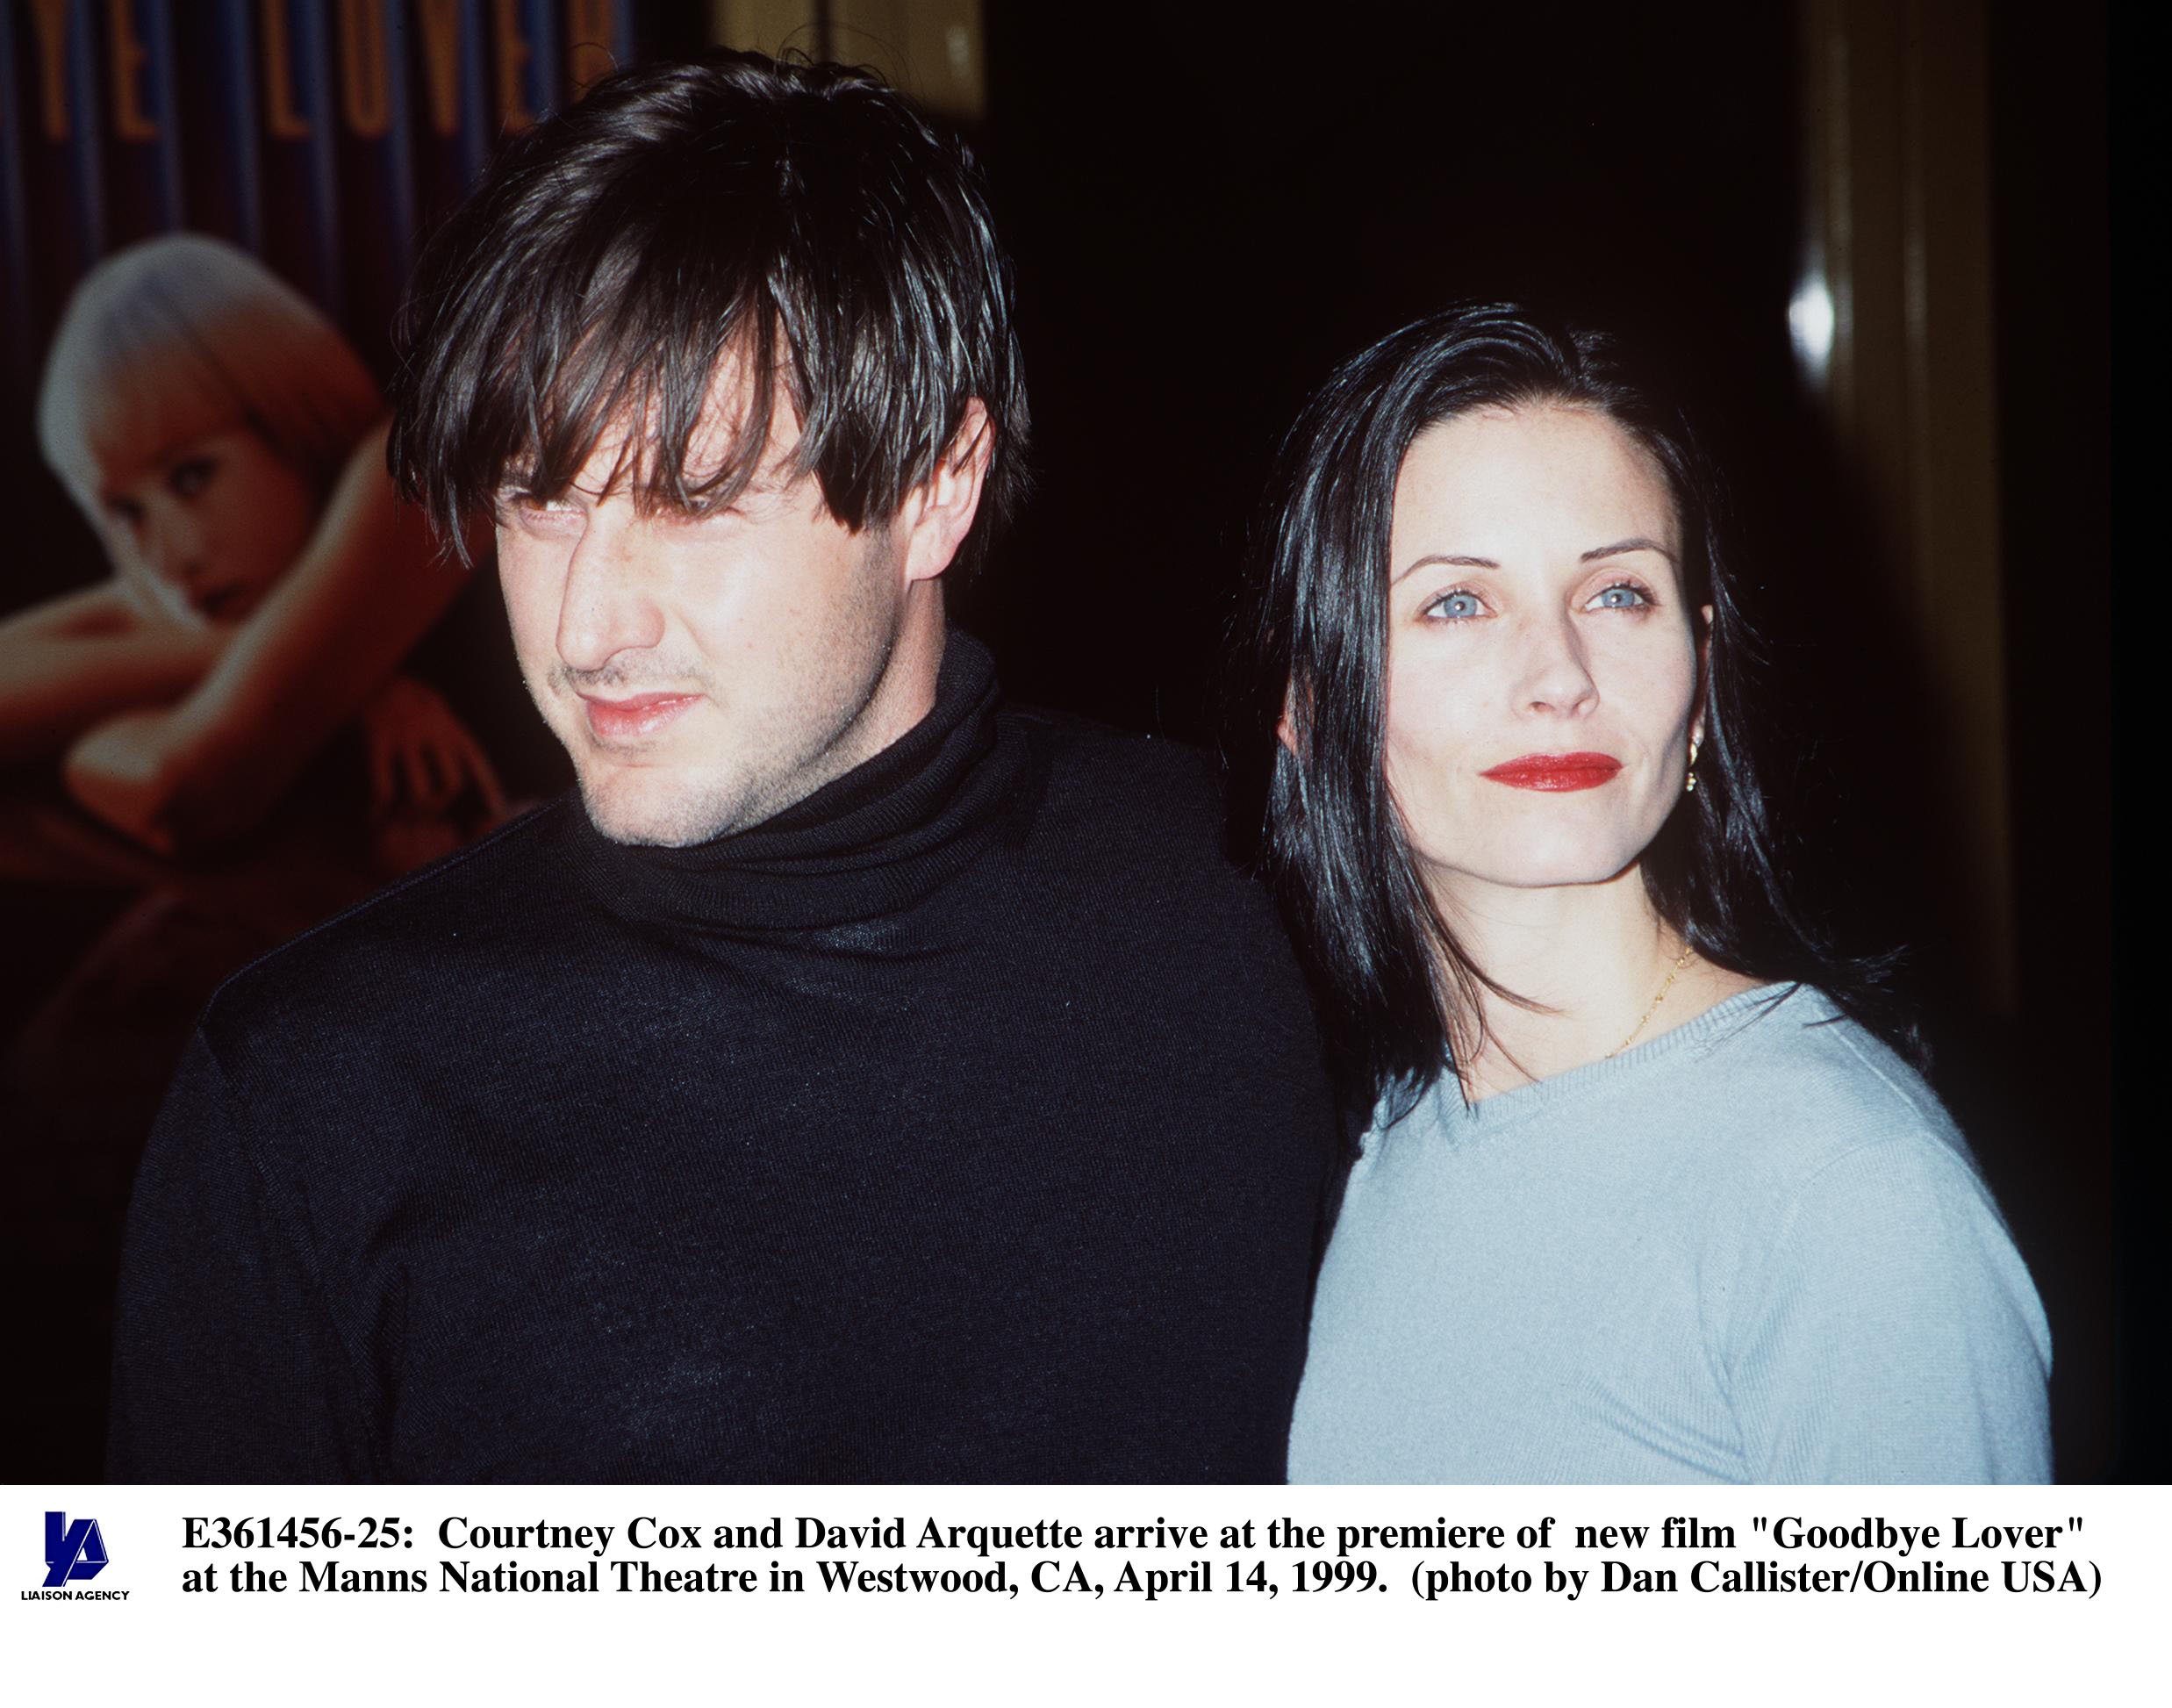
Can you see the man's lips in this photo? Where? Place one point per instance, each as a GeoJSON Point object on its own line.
{"type": "Point", "coordinates": [635, 718]}
{"type": "Point", "coordinates": [1557, 773]}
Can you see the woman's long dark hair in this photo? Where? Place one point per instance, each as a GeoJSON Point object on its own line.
{"type": "Point", "coordinates": [1403, 998]}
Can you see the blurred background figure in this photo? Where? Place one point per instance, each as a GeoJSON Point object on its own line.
{"type": "Point", "coordinates": [219, 740]}
{"type": "Point", "coordinates": [226, 445]}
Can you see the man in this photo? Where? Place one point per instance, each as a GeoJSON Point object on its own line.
{"type": "Point", "coordinates": [863, 1081]}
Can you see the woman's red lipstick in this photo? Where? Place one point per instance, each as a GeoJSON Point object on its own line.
{"type": "Point", "coordinates": [1557, 773]}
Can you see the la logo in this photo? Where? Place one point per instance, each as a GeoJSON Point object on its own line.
{"type": "Point", "coordinates": [72, 1550]}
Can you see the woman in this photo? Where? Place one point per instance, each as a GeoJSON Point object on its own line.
{"type": "Point", "coordinates": [1645, 1196]}
{"type": "Point", "coordinates": [228, 447]}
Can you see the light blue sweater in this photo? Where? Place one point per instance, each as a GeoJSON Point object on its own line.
{"type": "Point", "coordinates": [1755, 1249]}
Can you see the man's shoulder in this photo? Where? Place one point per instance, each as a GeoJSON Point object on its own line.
{"type": "Point", "coordinates": [408, 940]}
{"type": "Point", "coordinates": [1119, 782]}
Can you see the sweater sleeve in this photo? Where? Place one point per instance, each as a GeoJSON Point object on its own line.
{"type": "Point", "coordinates": [1895, 1336]}
{"type": "Point", "coordinates": [226, 1365]}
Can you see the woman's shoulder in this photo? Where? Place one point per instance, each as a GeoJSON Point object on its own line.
{"type": "Point", "coordinates": [1800, 1036]}
{"type": "Point", "coordinates": [1857, 1217]}
{"type": "Point", "coordinates": [1791, 1086]}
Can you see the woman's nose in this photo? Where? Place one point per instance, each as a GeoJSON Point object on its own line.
{"type": "Point", "coordinates": [1556, 676]}
{"type": "Point", "coordinates": [171, 541]}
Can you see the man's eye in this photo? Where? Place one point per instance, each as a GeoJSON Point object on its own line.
{"type": "Point", "coordinates": [1621, 596]}
{"type": "Point", "coordinates": [128, 512]}
{"type": "Point", "coordinates": [190, 476]}
{"type": "Point", "coordinates": [1457, 605]}
{"type": "Point", "coordinates": [528, 508]}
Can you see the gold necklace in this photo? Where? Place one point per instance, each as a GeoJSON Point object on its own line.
{"type": "Point", "coordinates": [1686, 953]}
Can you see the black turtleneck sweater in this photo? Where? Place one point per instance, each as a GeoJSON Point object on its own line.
{"type": "Point", "coordinates": [965, 1123]}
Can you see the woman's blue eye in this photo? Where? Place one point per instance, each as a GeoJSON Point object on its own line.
{"type": "Point", "coordinates": [1457, 604]}
{"type": "Point", "coordinates": [1620, 597]}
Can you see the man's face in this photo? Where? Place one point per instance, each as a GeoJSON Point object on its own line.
{"type": "Point", "coordinates": [705, 673]}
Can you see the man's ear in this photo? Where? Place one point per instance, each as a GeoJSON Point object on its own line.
{"type": "Point", "coordinates": [938, 514]}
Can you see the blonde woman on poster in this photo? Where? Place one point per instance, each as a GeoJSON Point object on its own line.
{"type": "Point", "coordinates": [227, 446]}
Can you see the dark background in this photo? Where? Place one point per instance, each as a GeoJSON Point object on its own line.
{"type": "Point", "coordinates": [1207, 211]}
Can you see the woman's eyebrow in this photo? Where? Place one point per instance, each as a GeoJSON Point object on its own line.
{"type": "Point", "coordinates": [1637, 543]}
{"type": "Point", "coordinates": [1457, 559]}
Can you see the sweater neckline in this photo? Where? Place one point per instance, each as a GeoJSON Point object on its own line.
{"type": "Point", "coordinates": [868, 844]}
{"type": "Point", "coordinates": [1505, 1110]}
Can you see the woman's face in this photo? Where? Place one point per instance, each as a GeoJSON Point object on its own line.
{"type": "Point", "coordinates": [1541, 665]}
{"type": "Point", "coordinates": [206, 528]}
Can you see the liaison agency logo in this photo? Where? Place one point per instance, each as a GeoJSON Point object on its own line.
{"type": "Point", "coordinates": [75, 1553]}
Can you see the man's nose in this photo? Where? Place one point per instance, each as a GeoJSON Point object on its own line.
{"type": "Point", "coordinates": [1555, 676]}
{"type": "Point", "coordinates": [607, 608]}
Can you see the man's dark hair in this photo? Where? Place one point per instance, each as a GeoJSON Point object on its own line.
{"type": "Point", "coordinates": [1404, 997]}
{"type": "Point", "coordinates": [801, 218]}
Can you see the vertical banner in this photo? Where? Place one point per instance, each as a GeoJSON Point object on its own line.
{"type": "Point", "coordinates": [142, 157]}
{"type": "Point", "coordinates": [214, 55]}
{"type": "Point", "coordinates": [452, 128]}
{"type": "Point", "coordinates": [597, 41]}
{"type": "Point", "coordinates": [15, 277]}
{"type": "Point", "coordinates": [524, 42]}
{"type": "Point", "coordinates": [295, 109]}
{"type": "Point", "coordinates": [375, 177]}
{"type": "Point", "coordinates": [54, 113]}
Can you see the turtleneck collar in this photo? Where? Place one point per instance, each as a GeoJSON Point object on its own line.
{"type": "Point", "coordinates": [871, 844]}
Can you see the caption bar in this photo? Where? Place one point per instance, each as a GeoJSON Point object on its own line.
{"type": "Point", "coordinates": [1432, 1559]}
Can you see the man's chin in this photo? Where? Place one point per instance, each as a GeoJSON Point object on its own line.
{"type": "Point", "coordinates": [651, 817]}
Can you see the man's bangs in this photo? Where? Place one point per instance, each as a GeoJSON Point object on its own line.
{"type": "Point", "coordinates": [691, 417]}
{"type": "Point", "coordinates": [631, 359]}
{"type": "Point", "coordinates": [628, 259]}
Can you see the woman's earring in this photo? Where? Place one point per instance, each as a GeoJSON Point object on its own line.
{"type": "Point", "coordinates": [1690, 786]}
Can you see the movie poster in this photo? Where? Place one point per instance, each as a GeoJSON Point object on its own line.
{"type": "Point", "coordinates": [239, 687]}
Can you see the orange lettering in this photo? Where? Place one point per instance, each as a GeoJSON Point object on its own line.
{"type": "Point", "coordinates": [440, 61]}
{"type": "Point", "coordinates": [131, 123]}
{"type": "Point", "coordinates": [51, 19]}
{"type": "Point", "coordinates": [365, 83]}
{"type": "Point", "coordinates": [281, 117]}
{"type": "Point", "coordinates": [589, 34]}
{"type": "Point", "coordinates": [512, 53]}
